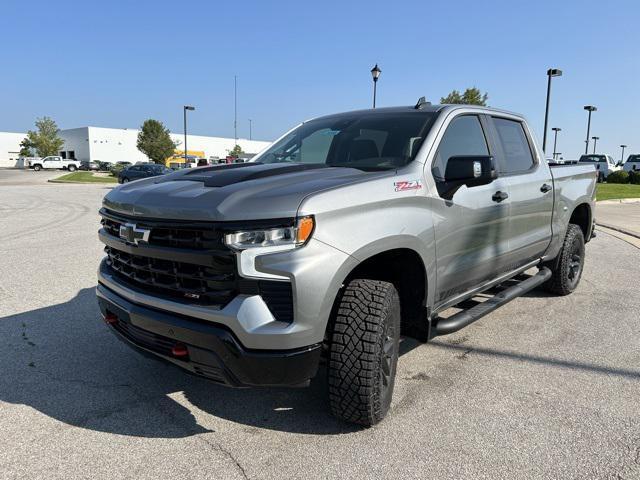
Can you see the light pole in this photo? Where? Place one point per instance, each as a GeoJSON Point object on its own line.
{"type": "Point", "coordinates": [185, 108]}
{"type": "Point", "coordinates": [595, 142]}
{"type": "Point", "coordinates": [250, 128]}
{"type": "Point", "coordinates": [555, 140]}
{"type": "Point", "coordinates": [588, 108]}
{"type": "Point", "coordinates": [622, 154]}
{"type": "Point", "coordinates": [552, 72]}
{"type": "Point", "coordinates": [375, 73]}
{"type": "Point", "coordinates": [235, 110]}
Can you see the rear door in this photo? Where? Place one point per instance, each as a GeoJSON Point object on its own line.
{"type": "Point", "coordinates": [530, 190]}
{"type": "Point", "coordinates": [472, 227]}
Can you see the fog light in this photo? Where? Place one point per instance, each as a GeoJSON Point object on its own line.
{"type": "Point", "coordinates": [110, 318]}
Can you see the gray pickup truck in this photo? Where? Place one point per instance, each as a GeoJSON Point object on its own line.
{"type": "Point", "coordinates": [347, 231]}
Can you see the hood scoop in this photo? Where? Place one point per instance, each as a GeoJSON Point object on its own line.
{"type": "Point", "coordinates": [243, 172]}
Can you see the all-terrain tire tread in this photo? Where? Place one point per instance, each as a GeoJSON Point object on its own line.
{"type": "Point", "coordinates": [559, 283]}
{"type": "Point", "coordinates": [356, 347]}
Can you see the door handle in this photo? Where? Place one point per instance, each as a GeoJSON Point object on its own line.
{"type": "Point", "coordinates": [545, 188]}
{"type": "Point", "coordinates": [499, 196]}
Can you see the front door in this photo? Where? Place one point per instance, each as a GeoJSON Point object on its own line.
{"type": "Point", "coordinates": [472, 227]}
{"type": "Point", "coordinates": [52, 163]}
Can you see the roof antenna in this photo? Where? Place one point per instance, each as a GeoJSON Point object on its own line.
{"type": "Point", "coordinates": [421, 102]}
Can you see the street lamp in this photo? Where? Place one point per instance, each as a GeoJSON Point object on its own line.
{"type": "Point", "coordinates": [555, 140]}
{"type": "Point", "coordinates": [588, 108]}
{"type": "Point", "coordinates": [622, 155]}
{"type": "Point", "coordinates": [375, 73]}
{"type": "Point", "coordinates": [595, 142]}
{"type": "Point", "coordinates": [552, 72]}
{"type": "Point", "coordinates": [186, 107]}
{"type": "Point", "coordinates": [250, 128]}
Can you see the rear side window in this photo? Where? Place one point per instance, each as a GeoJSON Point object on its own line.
{"type": "Point", "coordinates": [592, 158]}
{"type": "Point", "coordinates": [515, 146]}
{"type": "Point", "coordinates": [464, 136]}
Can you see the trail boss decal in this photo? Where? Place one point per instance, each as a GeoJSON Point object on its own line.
{"type": "Point", "coordinates": [407, 185]}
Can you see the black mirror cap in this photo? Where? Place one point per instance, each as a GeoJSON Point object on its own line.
{"type": "Point", "coordinates": [471, 170]}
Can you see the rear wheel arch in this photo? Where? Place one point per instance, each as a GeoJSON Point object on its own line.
{"type": "Point", "coordinates": [582, 217]}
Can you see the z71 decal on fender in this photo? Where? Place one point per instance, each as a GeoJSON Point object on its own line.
{"type": "Point", "coordinates": [408, 185]}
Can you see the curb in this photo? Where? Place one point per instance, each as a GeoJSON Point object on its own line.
{"type": "Point", "coordinates": [83, 183]}
{"type": "Point", "coordinates": [618, 229]}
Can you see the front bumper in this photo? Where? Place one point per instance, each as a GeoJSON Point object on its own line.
{"type": "Point", "coordinates": [212, 351]}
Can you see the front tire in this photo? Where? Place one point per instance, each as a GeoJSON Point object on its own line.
{"type": "Point", "coordinates": [567, 271]}
{"type": "Point", "coordinates": [125, 180]}
{"type": "Point", "coordinates": [363, 352]}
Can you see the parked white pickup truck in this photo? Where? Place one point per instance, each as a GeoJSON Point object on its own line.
{"type": "Point", "coordinates": [54, 163]}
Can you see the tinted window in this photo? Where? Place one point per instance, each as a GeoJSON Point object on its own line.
{"type": "Point", "coordinates": [633, 158]}
{"type": "Point", "coordinates": [374, 141]}
{"type": "Point", "coordinates": [515, 146]}
{"type": "Point", "coordinates": [592, 158]}
{"type": "Point", "coordinates": [464, 136]}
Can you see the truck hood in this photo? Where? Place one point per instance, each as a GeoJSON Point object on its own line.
{"type": "Point", "coordinates": [246, 191]}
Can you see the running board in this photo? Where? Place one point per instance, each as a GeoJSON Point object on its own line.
{"type": "Point", "coordinates": [464, 318]}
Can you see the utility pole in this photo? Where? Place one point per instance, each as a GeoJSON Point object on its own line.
{"type": "Point", "coordinates": [235, 109]}
{"type": "Point", "coordinates": [250, 133]}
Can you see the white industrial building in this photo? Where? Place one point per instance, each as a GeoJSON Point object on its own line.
{"type": "Point", "coordinates": [119, 144]}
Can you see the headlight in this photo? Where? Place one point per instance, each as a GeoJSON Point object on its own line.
{"type": "Point", "coordinates": [273, 237]}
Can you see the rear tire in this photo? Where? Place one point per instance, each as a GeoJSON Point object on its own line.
{"type": "Point", "coordinates": [37, 168]}
{"type": "Point", "coordinates": [567, 271]}
{"type": "Point", "coordinates": [125, 180]}
{"type": "Point", "coordinates": [71, 168]}
{"type": "Point", "coordinates": [363, 352]}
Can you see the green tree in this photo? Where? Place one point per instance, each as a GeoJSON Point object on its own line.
{"type": "Point", "coordinates": [471, 96]}
{"type": "Point", "coordinates": [44, 140]}
{"type": "Point", "coordinates": [236, 151]}
{"type": "Point", "coordinates": [155, 142]}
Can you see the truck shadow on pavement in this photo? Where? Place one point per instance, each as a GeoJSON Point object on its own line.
{"type": "Point", "coordinates": [62, 361]}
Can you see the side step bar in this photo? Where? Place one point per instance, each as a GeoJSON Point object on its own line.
{"type": "Point", "coordinates": [466, 317]}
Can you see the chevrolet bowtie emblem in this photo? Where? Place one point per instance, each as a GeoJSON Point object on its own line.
{"type": "Point", "coordinates": [130, 233]}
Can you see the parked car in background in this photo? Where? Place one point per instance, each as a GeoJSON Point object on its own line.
{"type": "Point", "coordinates": [136, 172]}
{"type": "Point", "coordinates": [54, 162]}
{"type": "Point", "coordinates": [203, 162]}
{"type": "Point", "coordinates": [632, 163]}
{"type": "Point", "coordinates": [605, 164]}
{"type": "Point", "coordinates": [105, 166]}
{"type": "Point", "coordinates": [88, 165]}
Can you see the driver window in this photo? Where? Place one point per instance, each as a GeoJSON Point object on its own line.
{"type": "Point", "coordinates": [464, 136]}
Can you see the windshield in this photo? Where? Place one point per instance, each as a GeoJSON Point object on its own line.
{"type": "Point", "coordinates": [367, 141]}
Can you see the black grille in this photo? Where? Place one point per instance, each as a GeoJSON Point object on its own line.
{"type": "Point", "coordinates": [213, 284]}
{"type": "Point", "coordinates": [192, 237]}
{"type": "Point", "coordinates": [209, 285]}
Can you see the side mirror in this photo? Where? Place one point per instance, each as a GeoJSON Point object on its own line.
{"type": "Point", "coordinates": [471, 171]}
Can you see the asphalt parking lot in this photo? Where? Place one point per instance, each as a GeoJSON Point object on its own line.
{"type": "Point", "coordinates": [545, 387]}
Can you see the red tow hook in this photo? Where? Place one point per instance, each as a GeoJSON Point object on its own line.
{"type": "Point", "coordinates": [179, 350]}
{"type": "Point", "coordinates": [110, 318]}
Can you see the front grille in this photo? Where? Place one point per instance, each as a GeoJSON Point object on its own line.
{"type": "Point", "coordinates": [207, 285]}
{"type": "Point", "coordinates": [215, 283]}
{"type": "Point", "coordinates": [192, 237]}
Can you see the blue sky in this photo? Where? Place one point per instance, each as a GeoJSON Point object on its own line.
{"type": "Point", "coordinates": [117, 63]}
